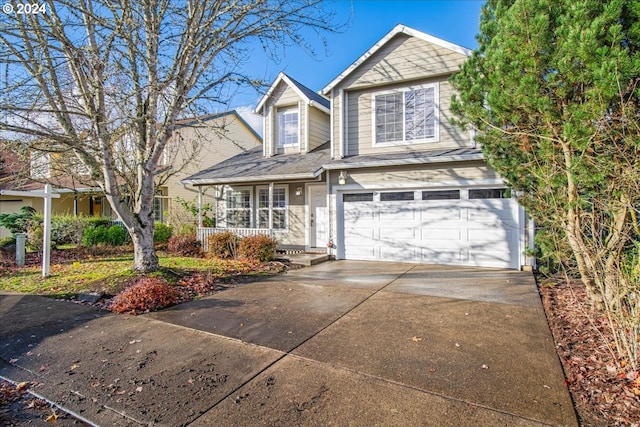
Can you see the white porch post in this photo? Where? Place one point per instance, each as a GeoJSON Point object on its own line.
{"type": "Point", "coordinates": [46, 250]}
{"type": "Point", "coordinates": [47, 195]}
{"type": "Point", "coordinates": [199, 206]}
{"type": "Point", "coordinates": [270, 206]}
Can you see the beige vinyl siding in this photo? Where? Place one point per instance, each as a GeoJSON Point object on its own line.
{"type": "Point", "coordinates": [338, 123]}
{"type": "Point", "coordinates": [284, 95]}
{"type": "Point", "coordinates": [303, 144]}
{"type": "Point", "coordinates": [215, 145]}
{"type": "Point", "coordinates": [318, 128]}
{"type": "Point", "coordinates": [360, 137]}
{"type": "Point", "coordinates": [418, 176]}
{"type": "Point", "coordinates": [404, 58]}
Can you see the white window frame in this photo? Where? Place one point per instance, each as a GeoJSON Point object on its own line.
{"type": "Point", "coordinates": [282, 114]}
{"type": "Point", "coordinates": [403, 91]}
{"type": "Point", "coordinates": [284, 209]}
{"type": "Point", "coordinates": [227, 208]}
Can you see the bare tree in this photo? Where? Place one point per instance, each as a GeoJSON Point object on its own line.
{"type": "Point", "coordinates": [104, 82]}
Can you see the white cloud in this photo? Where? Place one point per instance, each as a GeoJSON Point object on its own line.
{"type": "Point", "coordinates": [254, 120]}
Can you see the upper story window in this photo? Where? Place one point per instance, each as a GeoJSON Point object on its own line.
{"type": "Point", "coordinates": [40, 165]}
{"type": "Point", "coordinates": [288, 129]}
{"type": "Point", "coordinates": [406, 116]}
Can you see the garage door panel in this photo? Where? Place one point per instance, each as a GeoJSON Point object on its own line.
{"type": "Point", "coordinates": [395, 233]}
{"type": "Point", "coordinates": [442, 256]}
{"type": "Point", "coordinates": [398, 254]}
{"type": "Point", "coordinates": [430, 215]}
{"type": "Point", "coordinates": [362, 252]}
{"type": "Point", "coordinates": [430, 235]}
{"type": "Point", "coordinates": [398, 214]}
{"type": "Point", "coordinates": [488, 258]}
{"type": "Point", "coordinates": [357, 215]}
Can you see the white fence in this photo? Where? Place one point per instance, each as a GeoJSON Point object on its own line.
{"type": "Point", "coordinates": [203, 233]}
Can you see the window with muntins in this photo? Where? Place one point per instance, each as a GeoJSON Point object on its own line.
{"type": "Point", "coordinates": [238, 208]}
{"type": "Point", "coordinates": [278, 209]}
{"type": "Point", "coordinates": [406, 116]}
{"type": "Point", "coordinates": [288, 127]}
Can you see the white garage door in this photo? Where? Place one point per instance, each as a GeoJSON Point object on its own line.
{"type": "Point", "coordinates": [476, 227]}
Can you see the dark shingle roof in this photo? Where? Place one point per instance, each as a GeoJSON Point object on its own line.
{"type": "Point", "coordinates": [313, 96]}
{"type": "Point", "coordinates": [252, 166]}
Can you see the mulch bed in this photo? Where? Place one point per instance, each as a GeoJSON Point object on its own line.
{"type": "Point", "coordinates": [604, 393]}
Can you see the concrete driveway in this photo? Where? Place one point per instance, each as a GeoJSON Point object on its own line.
{"type": "Point", "coordinates": [339, 343]}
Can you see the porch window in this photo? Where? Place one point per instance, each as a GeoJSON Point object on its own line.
{"type": "Point", "coordinates": [406, 116]}
{"type": "Point", "coordinates": [278, 208]}
{"type": "Point", "coordinates": [288, 127]}
{"type": "Point", "coordinates": [238, 208]}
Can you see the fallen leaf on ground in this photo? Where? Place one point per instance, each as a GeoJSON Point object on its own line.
{"type": "Point", "coordinates": [416, 339]}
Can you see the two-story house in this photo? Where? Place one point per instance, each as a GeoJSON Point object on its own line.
{"type": "Point", "coordinates": [371, 167]}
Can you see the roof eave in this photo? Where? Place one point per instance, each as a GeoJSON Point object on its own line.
{"type": "Point", "coordinates": [248, 179]}
{"type": "Point", "coordinates": [402, 162]}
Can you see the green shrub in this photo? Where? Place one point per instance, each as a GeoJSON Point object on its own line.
{"type": "Point", "coordinates": [17, 222]}
{"type": "Point", "coordinates": [93, 236]}
{"type": "Point", "coordinates": [184, 245]}
{"type": "Point", "coordinates": [147, 294]}
{"type": "Point", "coordinates": [35, 234]}
{"type": "Point", "coordinates": [223, 245]}
{"type": "Point", "coordinates": [162, 233]}
{"type": "Point", "coordinates": [261, 248]}
{"type": "Point", "coordinates": [67, 229]}
{"type": "Point", "coordinates": [115, 235]}
{"type": "Point", "coordinates": [188, 229]}
{"type": "Point", "coordinates": [7, 241]}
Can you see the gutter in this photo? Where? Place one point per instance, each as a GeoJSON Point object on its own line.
{"type": "Point", "coordinates": [400, 162]}
{"type": "Point", "coordinates": [265, 178]}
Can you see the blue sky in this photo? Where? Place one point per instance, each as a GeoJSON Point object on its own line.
{"type": "Point", "coordinates": [367, 22]}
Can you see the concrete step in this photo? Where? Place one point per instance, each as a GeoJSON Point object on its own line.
{"type": "Point", "coordinates": [307, 259]}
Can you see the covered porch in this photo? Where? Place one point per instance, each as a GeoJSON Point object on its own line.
{"type": "Point", "coordinates": [283, 196]}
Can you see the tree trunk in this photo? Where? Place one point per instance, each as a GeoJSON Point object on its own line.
{"type": "Point", "coordinates": [144, 255]}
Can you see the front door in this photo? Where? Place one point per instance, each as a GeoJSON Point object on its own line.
{"type": "Point", "coordinates": [317, 216]}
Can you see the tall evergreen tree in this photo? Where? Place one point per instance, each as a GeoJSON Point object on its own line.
{"type": "Point", "coordinates": [553, 91]}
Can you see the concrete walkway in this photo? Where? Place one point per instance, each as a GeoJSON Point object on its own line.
{"type": "Point", "coordinates": [339, 343]}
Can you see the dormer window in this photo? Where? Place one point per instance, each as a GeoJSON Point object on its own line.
{"type": "Point", "coordinates": [406, 116]}
{"type": "Point", "coordinates": [288, 127]}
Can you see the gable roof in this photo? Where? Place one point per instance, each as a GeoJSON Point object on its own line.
{"type": "Point", "coordinates": [398, 29]}
{"type": "Point", "coordinates": [192, 121]}
{"type": "Point", "coordinates": [312, 98]}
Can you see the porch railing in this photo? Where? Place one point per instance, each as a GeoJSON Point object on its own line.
{"type": "Point", "coordinates": [203, 233]}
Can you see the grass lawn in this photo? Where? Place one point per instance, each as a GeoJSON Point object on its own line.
{"type": "Point", "coordinates": [73, 272]}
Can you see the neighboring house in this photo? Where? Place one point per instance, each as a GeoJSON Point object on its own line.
{"type": "Point", "coordinates": [376, 170]}
{"type": "Point", "coordinates": [197, 142]}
